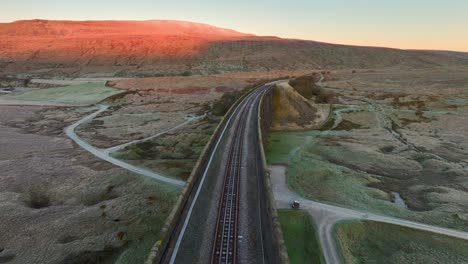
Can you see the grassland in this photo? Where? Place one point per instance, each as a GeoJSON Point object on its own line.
{"type": "Point", "coordinates": [316, 170]}
{"type": "Point", "coordinates": [148, 223]}
{"type": "Point", "coordinates": [381, 143]}
{"type": "Point", "coordinates": [141, 232]}
{"type": "Point", "coordinates": [173, 154]}
{"type": "Point", "coordinates": [84, 209]}
{"type": "Point", "coordinates": [380, 243]}
{"type": "Point", "coordinates": [299, 234]}
{"type": "Point", "coordinates": [316, 178]}
{"type": "Point", "coordinates": [82, 94]}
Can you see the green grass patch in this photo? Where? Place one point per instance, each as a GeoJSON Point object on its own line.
{"type": "Point", "coordinates": [315, 172]}
{"type": "Point", "coordinates": [314, 177]}
{"type": "Point", "coordinates": [149, 215]}
{"type": "Point", "coordinates": [281, 146]}
{"type": "Point", "coordinates": [83, 94]}
{"type": "Point", "coordinates": [372, 242]}
{"type": "Point", "coordinates": [299, 235]}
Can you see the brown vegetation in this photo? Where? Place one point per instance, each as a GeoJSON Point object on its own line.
{"type": "Point", "coordinates": [306, 86]}
{"type": "Point", "coordinates": [291, 110]}
{"type": "Point", "coordinates": [38, 197]}
{"type": "Point", "coordinates": [174, 153]}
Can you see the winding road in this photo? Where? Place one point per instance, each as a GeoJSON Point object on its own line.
{"type": "Point", "coordinates": [104, 153]}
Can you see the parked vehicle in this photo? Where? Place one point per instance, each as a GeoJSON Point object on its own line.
{"type": "Point", "coordinates": [295, 204]}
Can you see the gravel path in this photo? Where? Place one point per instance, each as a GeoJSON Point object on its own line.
{"type": "Point", "coordinates": [104, 154]}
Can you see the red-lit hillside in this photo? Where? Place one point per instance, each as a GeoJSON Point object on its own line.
{"type": "Point", "coordinates": [57, 41]}
{"type": "Point", "coordinates": [164, 47]}
{"type": "Point", "coordinates": [43, 28]}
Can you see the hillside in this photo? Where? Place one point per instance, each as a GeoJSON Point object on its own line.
{"type": "Point", "coordinates": [292, 111]}
{"type": "Point", "coordinates": [164, 47]}
{"type": "Point", "coordinates": [66, 47]}
{"type": "Point", "coordinates": [456, 54]}
{"type": "Point", "coordinates": [42, 28]}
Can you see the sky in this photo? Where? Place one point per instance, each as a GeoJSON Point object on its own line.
{"type": "Point", "coordinates": [406, 24]}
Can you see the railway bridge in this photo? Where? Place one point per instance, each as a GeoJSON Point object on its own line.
{"type": "Point", "coordinates": [227, 217]}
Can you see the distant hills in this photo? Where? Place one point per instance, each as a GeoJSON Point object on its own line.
{"type": "Point", "coordinates": [167, 47]}
{"type": "Point", "coordinates": [456, 54]}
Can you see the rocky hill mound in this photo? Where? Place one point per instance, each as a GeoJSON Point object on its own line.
{"type": "Point", "coordinates": [292, 111]}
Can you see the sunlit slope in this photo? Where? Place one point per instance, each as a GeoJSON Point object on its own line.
{"type": "Point", "coordinates": [166, 47]}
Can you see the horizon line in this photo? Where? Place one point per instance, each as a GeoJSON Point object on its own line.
{"type": "Point", "coordinates": [254, 35]}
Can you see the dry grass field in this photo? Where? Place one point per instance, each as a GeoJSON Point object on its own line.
{"type": "Point", "coordinates": [56, 194]}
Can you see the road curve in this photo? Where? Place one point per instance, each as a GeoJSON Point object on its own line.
{"type": "Point", "coordinates": [102, 154]}
{"type": "Point", "coordinates": [326, 215]}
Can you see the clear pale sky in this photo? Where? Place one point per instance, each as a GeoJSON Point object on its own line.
{"type": "Point", "coordinates": [410, 24]}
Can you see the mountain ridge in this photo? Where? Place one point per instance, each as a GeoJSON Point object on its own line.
{"type": "Point", "coordinates": [173, 47]}
{"type": "Point", "coordinates": [42, 27]}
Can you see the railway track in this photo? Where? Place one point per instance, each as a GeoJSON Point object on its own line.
{"type": "Point", "coordinates": [225, 239]}
{"type": "Point", "coordinates": [229, 229]}
{"type": "Point", "coordinates": [226, 236]}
